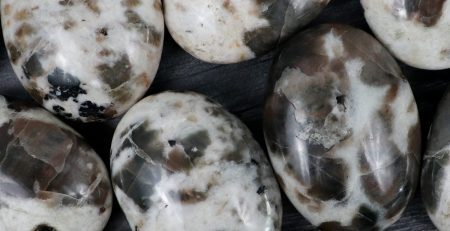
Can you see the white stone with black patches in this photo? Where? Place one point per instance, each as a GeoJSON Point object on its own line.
{"type": "Point", "coordinates": [86, 60]}
{"type": "Point", "coordinates": [416, 32]}
{"type": "Point", "coordinates": [231, 31]}
{"type": "Point", "coordinates": [50, 179]}
{"type": "Point", "coordinates": [342, 129]}
{"type": "Point", "coordinates": [181, 162]}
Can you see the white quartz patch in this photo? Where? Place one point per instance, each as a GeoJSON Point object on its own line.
{"type": "Point", "coordinates": [232, 204]}
{"type": "Point", "coordinates": [411, 41]}
{"type": "Point", "coordinates": [4, 112]}
{"type": "Point", "coordinates": [27, 214]}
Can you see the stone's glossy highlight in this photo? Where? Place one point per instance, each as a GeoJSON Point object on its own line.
{"type": "Point", "coordinates": [231, 31]}
{"type": "Point", "coordinates": [436, 168]}
{"type": "Point", "coordinates": [86, 60]}
{"type": "Point", "coordinates": [181, 162]}
{"type": "Point", "coordinates": [416, 32]}
{"type": "Point", "coordinates": [342, 129]}
{"type": "Point", "coordinates": [50, 179]}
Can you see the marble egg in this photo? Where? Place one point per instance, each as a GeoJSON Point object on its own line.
{"type": "Point", "coordinates": [86, 60]}
{"type": "Point", "coordinates": [50, 179]}
{"type": "Point", "coordinates": [182, 162]}
{"type": "Point", "coordinates": [436, 168]}
{"type": "Point", "coordinates": [416, 32]}
{"type": "Point", "coordinates": [342, 129]}
{"type": "Point", "coordinates": [231, 31]}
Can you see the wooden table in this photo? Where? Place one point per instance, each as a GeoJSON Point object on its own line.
{"type": "Point", "coordinates": [241, 89]}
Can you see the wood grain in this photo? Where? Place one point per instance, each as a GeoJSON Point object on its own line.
{"type": "Point", "coordinates": [241, 88]}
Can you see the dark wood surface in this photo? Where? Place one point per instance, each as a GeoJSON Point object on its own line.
{"type": "Point", "coordinates": [241, 89]}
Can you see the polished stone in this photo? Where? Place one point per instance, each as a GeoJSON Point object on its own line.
{"type": "Point", "coordinates": [182, 162]}
{"type": "Point", "coordinates": [231, 31]}
{"type": "Point", "coordinates": [50, 179]}
{"type": "Point", "coordinates": [436, 168]}
{"type": "Point", "coordinates": [342, 129]}
{"type": "Point", "coordinates": [416, 32]}
{"type": "Point", "coordinates": [86, 60]}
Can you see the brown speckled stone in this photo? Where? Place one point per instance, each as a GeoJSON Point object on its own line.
{"type": "Point", "coordinates": [50, 178]}
{"type": "Point", "coordinates": [84, 60]}
{"type": "Point", "coordinates": [338, 125]}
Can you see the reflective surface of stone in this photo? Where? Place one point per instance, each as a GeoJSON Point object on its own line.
{"type": "Point", "coordinates": [436, 168]}
{"type": "Point", "coordinates": [231, 31]}
{"type": "Point", "coordinates": [50, 179]}
{"type": "Point", "coordinates": [86, 60]}
{"type": "Point", "coordinates": [416, 32]}
{"type": "Point", "coordinates": [342, 129]}
{"type": "Point", "coordinates": [181, 162]}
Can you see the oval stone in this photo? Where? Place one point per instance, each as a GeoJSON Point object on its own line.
{"type": "Point", "coordinates": [342, 129]}
{"type": "Point", "coordinates": [436, 168]}
{"type": "Point", "coordinates": [231, 31]}
{"type": "Point", "coordinates": [50, 178]}
{"type": "Point", "coordinates": [416, 32]}
{"type": "Point", "coordinates": [182, 162]}
{"type": "Point", "coordinates": [86, 60]}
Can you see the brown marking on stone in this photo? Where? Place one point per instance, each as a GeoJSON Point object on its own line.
{"type": "Point", "coordinates": [110, 112]}
{"type": "Point", "coordinates": [415, 141]}
{"type": "Point", "coordinates": [92, 5]}
{"type": "Point", "coordinates": [143, 79]}
{"type": "Point", "coordinates": [68, 24]}
{"type": "Point", "coordinates": [14, 52]}
{"type": "Point", "coordinates": [229, 6]}
{"type": "Point", "coordinates": [131, 3]}
{"type": "Point", "coordinates": [24, 30]}
{"type": "Point", "coordinates": [386, 116]}
{"type": "Point", "coordinates": [191, 196]}
{"type": "Point", "coordinates": [104, 53]}
{"type": "Point", "coordinates": [178, 104]}
{"type": "Point", "coordinates": [389, 189]}
{"type": "Point", "coordinates": [157, 5]}
{"type": "Point", "coordinates": [178, 160]}
{"type": "Point", "coordinates": [101, 34]}
{"type": "Point", "coordinates": [427, 12]}
{"type": "Point", "coordinates": [280, 181]}
{"type": "Point", "coordinates": [331, 185]}
{"type": "Point", "coordinates": [180, 7]}
{"type": "Point", "coordinates": [412, 106]}
{"type": "Point", "coordinates": [302, 198]}
{"type": "Point", "coordinates": [7, 9]}
{"type": "Point", "coordinates": [22, 15]}
{"type": "Point", "coordinates": [150, 33]}
{"type": "Point", "coordinates": [116, 74]}
{"type": "Point", "coordinates": [32, 89]}
{"type": "Point", "coordinates": [445, 54]}
{"type": "Point", "coordinates": [391, 94]}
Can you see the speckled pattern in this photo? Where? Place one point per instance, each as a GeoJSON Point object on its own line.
{"type": "Point", "coordinates": [416, 32]}
{"type": "Point", "coordinates": [230, 31]}
{"type": "Point", "coordinates": [50, 179]}
{"type": "Point", "coordinates": [181, 162]}
{"type": "Point", "coordinates": [436, 168]}
{"type": "Point", "coordinates": [86, 60]}
{"type": "Point", "coordinates": [342, 129]}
